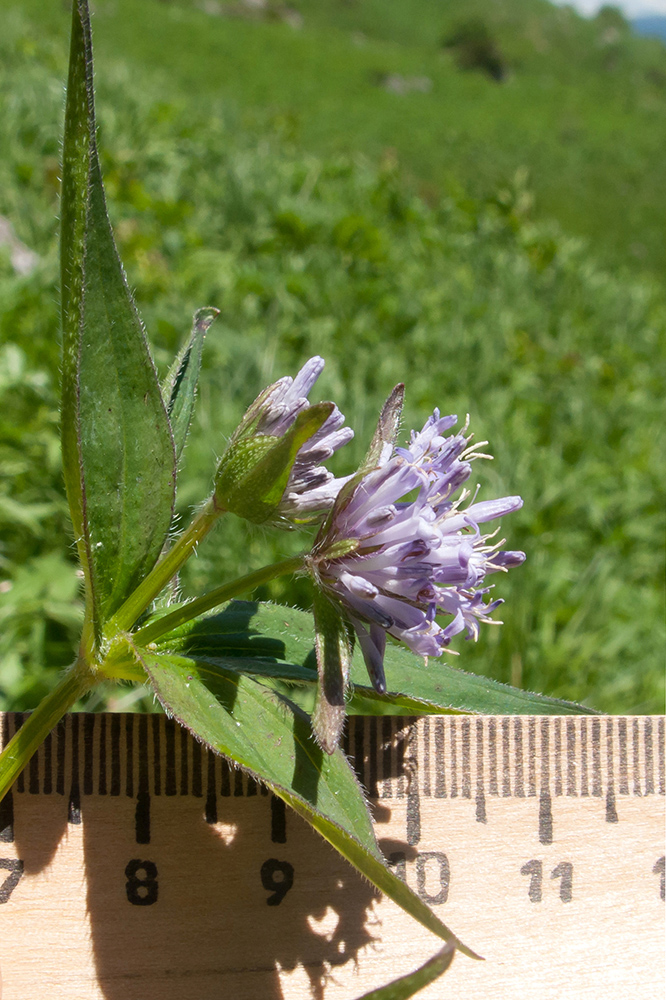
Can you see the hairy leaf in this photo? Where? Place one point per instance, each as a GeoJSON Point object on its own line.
{"type": "Point", "coordinates": [118, 452]}
{"type": "Point", "coordinates": [279, 635]}
{"type": "Point", "coordinates": [272, 739]}
{"type": "Point", "coordinates": [180, 386]}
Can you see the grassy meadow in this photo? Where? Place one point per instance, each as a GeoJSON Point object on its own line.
{"type": "Point", "coordinates": [427, 263]}
{"type": "Point", "coordinates": [581, 103]}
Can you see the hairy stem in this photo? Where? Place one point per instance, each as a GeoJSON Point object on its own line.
{"type": "Point", "coordinates": [165, 569]}
{"type": "Point", "coordinates": [75, 683]}
{"type": "Point", "coordinates": [210, 600]}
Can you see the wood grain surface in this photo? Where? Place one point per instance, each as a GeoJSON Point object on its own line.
{"type": "Point", "coordinates": [134, 865]}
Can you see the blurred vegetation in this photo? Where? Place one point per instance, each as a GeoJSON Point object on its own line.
{"type": "Point", "coordinates": [475, 48]}
{"type": "Point", "coordinates": [474, 304]}
{"type": "Point", "coordinates": [581, 103]}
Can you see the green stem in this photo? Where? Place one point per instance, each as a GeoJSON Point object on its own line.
{"type": "Point", "coordinates": [165, 569]}
{"type": "Point", "coordinates": [210, 600]}
{"type": "Point", "coordinates": [76, 682]}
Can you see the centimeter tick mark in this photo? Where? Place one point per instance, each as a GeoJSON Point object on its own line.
{"type": "Point", "coordinates": [396, 758]}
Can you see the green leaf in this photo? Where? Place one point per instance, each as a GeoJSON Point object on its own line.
{"type": "Point", "coordinates": [118, 452]}
{"type": "Point", "coordinates": [410, 984]}
{"type": "Point", "coordinates": [333, 657]}
{"type": "Point", "coordinates": [180, 386]}
{"type": "Point", "coordinates": [253, 474]}
{"type": "Point", "coordinates": [286, 635]}
{"type": "Point", "coordinates": [272, 739]}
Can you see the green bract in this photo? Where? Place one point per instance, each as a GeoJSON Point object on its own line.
{"type": "Point", "coordinates": [252, 476]}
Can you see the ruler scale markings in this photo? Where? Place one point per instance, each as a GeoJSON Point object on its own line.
{"type": "Point", "coordinates": [531, 756]}
{"type": "Point", "coordinates": [364, 765]}
{"type": "Point", "coordinates": [7, 819]}
{"type": "Point", "coordinates": [18, 722]}
{"type": "Point", "coordinates": [373, 790]}
{"type": "Point", "coordinates": [197, 777]}
{"type": "Point", "coordinates": [74, 805]}
{"type": "Point", "coordinates": [48, 764]}
{"type": "Point", "coordinates": [142, 811]}
{"type": "Point", "coordinates": [387, 747]}
{"type": "Point", "coordinates": [558, 755]}
{"type": "Point", "coordinates": [252, 785]}
{"type": "Point", "coordinates": [624, 768]}
{"type": "Point", "coordinates": [7, 803]}
{"type": "Point", "coordinates": [101, 780]}
{"type": "Point", "coordinates": [115, 755]}
{"type": "Point", "coordinates": [88, 752]}
{"type": "Point", "coordinates": [278, 820]}
{"type": "Point", "coordinates": [453, 759]}
{"type": "Point", "coordinates": [545, 805]}
{"type": "Point", "coordinates": [596, 758]}
{"type": "Point", "coordinates": [59, 735]}
{"type": "Point", "coordinates": [519, 789]}
{"type": "Point", "coordinates": [225, 778]}
{"type": "Point", "coordinates": [465, 729]}
{"type": "Point", "coordinates": [33, 774]}
{"type": "Point", "coordinates": [184, 783]}
{"type": "Point", "coordinates": [426, 757]}
{"type": "Point", "coordinates": [493, 788]}
{"type": "Point", "coordinates": [129, 756]}
{"type": "Point", "coordinates": [571, 757]}
{"type": "Point", "coordinates": [411, 766]}
{"type": "Point", "coordinates": [170, 786]}
{"type": "Point", "coordinates": [156, 723]}
{"type": "Point", "coordinates": [611, 810]}
{"type": "Point", "coordinates": [649, 757]}
{"type": "Point", "coordinates": [506, 758]}
{"type": "Point", "coordinates": [584, 790]}
{"type": "Point", "coordinates": [636, 747]}
{"type": "Point", "coordinates": [440, 761]}
{"type": "Point", "coordinates": [460, 753]}
{"type": "Point", "coordinates": [211, 789]}
{"type": "Point", "coordinates": [480, 794]}
{"type": "Point", "coordinates": [399, 755]}
{"type": "Point", "coordinates": [238, 782]}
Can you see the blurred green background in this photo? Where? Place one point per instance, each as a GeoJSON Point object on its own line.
{"type": "Point", "coordinates": [465, 196]}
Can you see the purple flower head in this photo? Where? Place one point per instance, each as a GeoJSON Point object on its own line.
{"type": "Point", "coordinates": [311, 488]}
{"type": "Point", "coordinates": [398, 550]}
{"type": "Point", "coordinates": [272, 471]}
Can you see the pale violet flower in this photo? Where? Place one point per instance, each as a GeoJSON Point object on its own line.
{"type": "Point", "coordinates": [400, 550]}
{"type": "Point", "coordinates": [272, 471]}
{"type": "Point", "coordinates": [311, 488]}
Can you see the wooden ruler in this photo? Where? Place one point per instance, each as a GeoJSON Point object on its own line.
{"type": "Point", "coordinates": [135, 865]}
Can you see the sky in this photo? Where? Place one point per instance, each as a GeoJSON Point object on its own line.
{"type": "Point", "coordinates": [631, 8]}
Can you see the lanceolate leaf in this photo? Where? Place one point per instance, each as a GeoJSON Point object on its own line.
{"type": "Point", "coordinates": [180, 386]}
{"type": "Point", "coordinates": [118, 451]}
{"type": "Point", "coordinates": [272, 739]}
{"type": "Point", "coordinates": [278, 635]}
